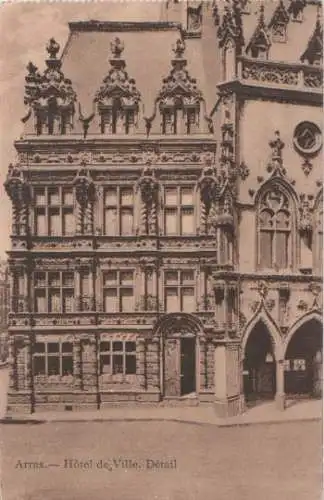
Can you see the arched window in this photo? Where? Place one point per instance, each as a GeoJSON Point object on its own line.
{"type": "Point", "coordinates": [275, 230]}
{"type": "Point", "coordinates": [318, 237]}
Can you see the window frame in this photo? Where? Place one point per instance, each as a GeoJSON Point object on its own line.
{"type": "Point", "coordinates": [46, 288]}
{"type": "Point", "coordinates": [118, 286]}
{"type": "Point", "coordinates": [47, 208]}
{"type": "Point", "coordinates": [46, 355]}
{"type": "Point", "coordinates": [180, 285]}
{"type": "Point", "coordinates": [111, 353]}
{"type": "Point", "coordinates": [120, 208]}
{"type": "Point", "coordinates": [179, 209]}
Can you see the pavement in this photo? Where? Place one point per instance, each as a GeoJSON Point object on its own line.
{"type": "Point", "coordinates": [264, 413]}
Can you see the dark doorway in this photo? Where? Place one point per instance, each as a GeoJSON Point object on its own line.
{"type": "Point", "coordinates": [303, 362]}
{"type": "Point", "coordinates": [259, 371]}
{"type": "Point", "coordinates": [188, 366]}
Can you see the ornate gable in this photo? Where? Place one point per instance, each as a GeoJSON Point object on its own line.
{"type": "Point", "coordinates": [231, 27]}
{"type": "Point", "coordinates": [278, 23]}
{"type": "Point", "coordinates": [50, 95]}
{"type": "Point", "coordinates": [118, 98]}
{"type": "Point", "coordinates": [314, 51]}
{"type": "Point", "coordinates": [260, 42]}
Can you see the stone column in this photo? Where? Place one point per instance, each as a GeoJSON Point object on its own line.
{"type": "Point", "coordinates": [140, 362]}
{"type": "Point", "coordinates": [280, 383]}
{"type": "Point", "coordinates": [12, 364]}
{"type": "Point", "coordinates": [202, 364]}
{"type": "Point", "coordinates": [227, 379]}
{"type": "Point", "coordinates": [77, 363]}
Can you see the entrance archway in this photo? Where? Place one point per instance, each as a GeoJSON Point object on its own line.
{"type": "Point", "coordinates": [303, 361]}
{"type": "Point", "coordinates": [179, 336]}
{"type": "Point", "coordinates": [259, 367]}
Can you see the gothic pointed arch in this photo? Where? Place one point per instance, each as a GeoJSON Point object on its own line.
{"type": "Point", "coordinates": [50, 96]}
{"type": "Point", "coordinates": [180, 102]}
{"type": "Point", "coordinates": [259, 45]}
{"type": "Point", "coordinates": [262, 316]}
{"type": "Point", "coordinates": [314, 51]}
{"type": "Point", "coordinates": [118, 98]}
{"type": "Point", "coordinates": [308, 317]}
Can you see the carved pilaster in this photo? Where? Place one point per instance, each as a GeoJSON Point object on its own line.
{"type": "Point", "coordinates": [140, 361]}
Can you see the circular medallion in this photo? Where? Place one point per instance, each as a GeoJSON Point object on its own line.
{"type": "Point", "coordinates": [307, 138]}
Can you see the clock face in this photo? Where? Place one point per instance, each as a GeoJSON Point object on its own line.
{"type": "Point", "coordinates": [307, 138]}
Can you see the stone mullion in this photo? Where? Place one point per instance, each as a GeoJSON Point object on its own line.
{"type": "Point", "coordinates": [140, 362]}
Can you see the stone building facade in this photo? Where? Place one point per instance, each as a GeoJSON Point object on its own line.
{"type": "Point", "coordinates": [4, 309]}
{"type": "Point", "coordinates": [167, 211]}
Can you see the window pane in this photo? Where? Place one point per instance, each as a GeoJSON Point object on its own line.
{"type": "Point", "coordinates": [187, 276]}
{"type": "Point", "coordinates": [85, 289]}
{"type": "Point", "coordinates": [53, 347]}
{"type": "Point", "coordinates": [126, 221]}
{"type": "Point", "coordinates": [39, 365]}
{"type": "Point", "coordinates": [171, 300]}
{"type": "Point", "coordinates": [40, 198]}
{"type": "Point", "coordinates": [171, 196]}
{"type": "Point", "coordinates": [111, 302]}
{"type": "Point", "coordinates": [126, 277]}
{"type": "Point", "coordinates": [111, 222]}
{"type": "Point", "coordinates": [54, 196]}
{"type": "Point", "coordinates": [188, 299]}
{"type": "Point", "coordinates": [67, 347]}
{"type": "Point", "coordinates": [68, 279]}
{"type": "Point", "coordinates": [67, 365]}
{"type": "Point", "coordinates": [54, 279]}
{"type": "Point", "coordinates": [130, 346]}
{"type": "Point", "coordinates": [126, 196]}
{"type": "Point", "coordinates": [126, 299]}
{"type": "Point", "coordinates": [266, 249]}
{"type": "Point", "coordinates": [54, 222]}
{"type": "Point", "coordinates": [53, 365]}
{"type": "Point", "coordinates": [187, 221]}
{"type": "Point", "coordinates": [282, 249]}
{"type": "Point", "coordinates": [130, 365]}
{"type": "Point", "coordinates": [54, 301]}
{"type": "Point", "coordinates": [39, 347]}
{"type": "Point", "coordinates": [104, 346]}
{"type": "Point", "coordinates": [68, 301]}
{"type": "Point", "coordinates": [170, 222]}
{"type": "Point", "coordinates": [105, 366]}
{"type": "Point", "coordinates": [186, 196]}
{"type": "Point", "coordinates": [111, 197]}
{"type": "Point", "coordinates": [171, 277]}
{"type": "Point", "coordinates": [40, 301]}
{"type": "Point", "coordinates": [117, 363]}
{"type": "Point", "coordinates": [117, 346]}
{"type": "Point", "coordinates": [68, 196]}
{"type": "Point", "coordinates": [41, 226]}
{"type": "Point", "coordinates": [68, 221]}
{"type": "Point", "coordinates": [40, 279]}
{"type": "Point", "coordinates": [110, 278]}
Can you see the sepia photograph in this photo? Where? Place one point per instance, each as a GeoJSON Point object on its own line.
{"type": "Point", "coordinates": [161, 250]}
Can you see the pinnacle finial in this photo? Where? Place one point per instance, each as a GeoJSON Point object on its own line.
{"type": "Point", "coordinates": [117, 47]}
{"type": "Point", "coordinates": [261, 18]}
{"type": "Point", "coordinates": [179, 48]}
{"type": "Point", "coordinates": [52, 48]}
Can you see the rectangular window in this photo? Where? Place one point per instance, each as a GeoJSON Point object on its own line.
{"type": "Point", "coordinates": [54, 292]}
{"type": "Point", "coordinates": [117, 358]}
{"type": "Point", "coordinates": [53, 358]}
{"type": "Point", "coordinates": [54, 211]}
{"type": "Point", "coordinates": [179, 289]}
{"type": "Point", "coordinates": [118, 291]}
{"type": "Point", "coordinates": [179, 214]}
{"type": "Point", "coordinates": [119, 211]}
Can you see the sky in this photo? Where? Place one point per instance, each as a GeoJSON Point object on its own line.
{"type": "Point", "coordinates": [25, 28]}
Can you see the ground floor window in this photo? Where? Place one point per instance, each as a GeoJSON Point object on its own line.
{"type": "Point", "coordinates": [117, 357]}
{"type": "Point", "coordinates": [53, 358]}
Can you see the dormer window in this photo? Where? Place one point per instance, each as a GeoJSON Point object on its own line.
{"type": "Point", "coordinates": [259, 44]}
{"type": "Point", "coordinates": [259, 52]}
{"type": "Point", "coordinates": [278, 24]}
{"type": "Point", "coordinates": [279, 33]}
{"type": "Point", "coordinates": [118, 98]}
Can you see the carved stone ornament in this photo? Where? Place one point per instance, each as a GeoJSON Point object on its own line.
{"type": "Point", "coordinates": [263, 289]}
{"type": "Point", "coordinates": [84, 187]}
{"type": "Point", "coordinates": [231, 26]}
{"type": "Point", "coordinates": [117, 84]}
{"type": "Point", "coordinates": [276, 163]}
{"type": "Point", "coordinates": [307, 138]}
{"type": "Point", "coordinates": [50, 95]}
{"type": "Point", "coordinates": [222, 212]}
{"type": "Point", "coordinates": [148, 185]}
{"type": "Point", "coordinates": [207, 185]}
{"type": "Point", "coordinates": [305, 216]}
{"type": "Point", "coordinates": [194, 13]}
{"type": "Point", "coordinates": [260, 40]}
{"type": "Point", "coordinates": [314, 50]}
{"type": "Point", "coordinates": [16, 186]}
